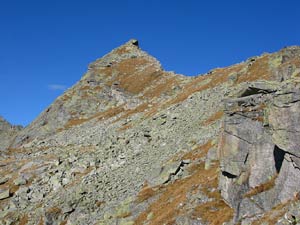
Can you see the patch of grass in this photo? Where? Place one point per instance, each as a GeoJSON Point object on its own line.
{"type": "Point", "coordinates": [259, 70]}
{"type": "Point", "coordinates": [101, 116]}
{"type": "Point", "coordinates": [200, 83]}
{"type": "Point", "coordinates": [272, 216]}
{"type": "Point", "coordinates": [164, 85]}
{"type": "Point", "coordinates": [100, 203]}
{"type": "Point", "coordinates": [124, 215]}
{"type": "Point", "coordinates": [214, 212]}
{"type": "Point", "coordinates": [166, 208]}
{"type": "Point", "coordinates": [199, 151]}
{"type": "Point", "coordinates": [146, 193]}
{"type": "Point", "coordinates": [261, 188]}
{"type": "Point", "coordinates": [23, 220]}
{"type": "Point", "coordinates": [213, 118]}
{"type": "Point", "coordinates": [41, 221]}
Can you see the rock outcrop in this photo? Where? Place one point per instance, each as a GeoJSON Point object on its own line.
{"type": "Point", "coordinates": [7, 133]}
{"type": "Point", "coordinates": [259, 148]}
{"type": "Point", "coordinates": [133, 144]}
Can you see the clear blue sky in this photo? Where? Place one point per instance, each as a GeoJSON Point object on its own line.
{"type": "Point", "coordinates": [44, 43]}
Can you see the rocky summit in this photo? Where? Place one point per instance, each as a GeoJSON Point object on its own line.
{"type": "Point", "coordinates": [132, 144]}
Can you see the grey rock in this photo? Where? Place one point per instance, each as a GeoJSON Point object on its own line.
{"type": "Point", "coordinates": [4, 194]}
{"type": "Point", "coordinates": [3, 180]}
{"type": "Point", "coordinates": [20, 181]}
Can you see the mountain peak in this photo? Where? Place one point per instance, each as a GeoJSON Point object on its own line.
{"type": "Point", "coordinates": [126, 52]}
{"type": "Point", "coordinates": [133, 42]}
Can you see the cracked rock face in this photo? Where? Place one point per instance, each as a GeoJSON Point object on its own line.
{"type": "Point", "coordinates": [131, 143]}
{"type": "Point", "coordinates": [259, 150]}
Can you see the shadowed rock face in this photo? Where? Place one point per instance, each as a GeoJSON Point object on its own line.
{"type": "Point", "coordinates": [133, 144]}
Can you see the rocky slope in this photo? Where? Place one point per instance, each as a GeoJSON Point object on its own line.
{"type": "Point", "coordinates": [133, 144]}
{"type": "Point", "coordinates": [7, 133]}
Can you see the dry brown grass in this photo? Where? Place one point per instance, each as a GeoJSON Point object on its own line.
{"type": "Point", "coordinates": [78, 177]}
{"type": "Point", "coordinates": [109, 113]}
{"type": "Point", "coordinates": [100, 203]}
{"type": "Point", "coordinates": [103, 71]}
{"type": "Point", "coordinates": [23, 220]}
{"type": "Point", "coordinates": [146, 193]}
{"type": "Point", "coordinates": [272, 216]}
{"type": "Point", "coordinates": [124, 215]}
{"type": "Point", "coordinates": [199, 151]}
{"type": "Point", "coordinates": [215, 212]}
{"type": "Point", "coordinates": [166, 208]}
{"type": "Point", "coordinates": [125, 127]}
{"type": "Point", "coordinates": [101, 116]}
{"type": "Point", "coordinates": [261, 188]}
{"type": "Point", "coordinates": [163, 86]}
{"type": "Point", "coordinates": [213, 118]}
{"type": "Point", "coordinates": [259, 70]}
{"type": "Point", "coordinates": [140, 108]}
{"type": "Point", "coordinates": [41, 221]}
{"type": "Point", "coordinates": [84, 88]}
{"type": "Point", "coordinates": [74, 122]}
{"type": "Point", "coordinates": [10, 184]}
{"type": "Point", "coordinates": [64, 222]}
{"type": "Point", "coordinates": [54, 210]}
{"type": "Point", "coordinates": [131, 79]}
{"type": "Point", "coordinates": [122, 50]}
{"type": "Point", "coordinates": [200, 83]}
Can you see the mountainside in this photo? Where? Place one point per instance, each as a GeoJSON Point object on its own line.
{"type": "Point", "coordinates": [133, 144]}
{"type": "Point", "coordinates": [7, 133]}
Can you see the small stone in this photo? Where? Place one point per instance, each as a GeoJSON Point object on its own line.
{"type": "Point", "coordinates": [4, 194]}
{"type": "Point", "coordinates": [186, 161]}
{"type": "Point", "coordinates": [3, 180]}
{"type": "Point", "coordinates": [20, 181]}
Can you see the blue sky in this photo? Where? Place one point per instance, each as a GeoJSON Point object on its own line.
{"type": "Point", "coordinates": [45, 46]}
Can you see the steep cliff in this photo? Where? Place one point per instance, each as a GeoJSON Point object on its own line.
{"type": "Point", "coordinates": [133, 144]}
